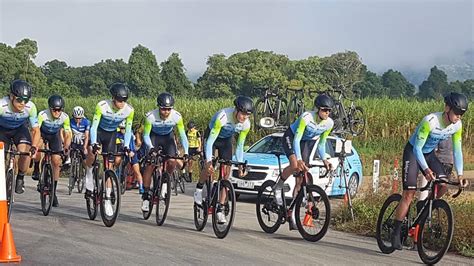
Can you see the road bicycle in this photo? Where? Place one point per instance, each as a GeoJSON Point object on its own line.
{"type": "Point", "coordinates": [310, 208]}
{"type": "Point", "coordinates": [212, 196]}
{"type": "Point", "coordinates": [160, 194]}
{"type": "Point", "coordinates": [46, 181]}
{"type": "Point", "coordinates": [10, 175]}
{"type": "Point", "coordinates": [76, 178]}
{"type": "Point", "coordinates": [431, 228]}
{"type": "Point", "coordinates": [106, 189]}
{"type": "Point", "coordinates": [271, 105]}
{"type": "Point", "coordinates": [346, 119]}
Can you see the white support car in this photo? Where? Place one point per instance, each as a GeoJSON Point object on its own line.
{"type": "Point", "coordinates": [263, 165]}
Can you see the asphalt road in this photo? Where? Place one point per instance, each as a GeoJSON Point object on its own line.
{"type": "Point", "coordinates": [67, 236]}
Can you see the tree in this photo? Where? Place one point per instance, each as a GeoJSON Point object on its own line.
{"type": "Point", "coordinates": [144, 72]}
{"type": "Point", "coordinates": [342, 69]}
{"type": "Point", "coordinates": [306, 71]}
{"type": "Point", "coordinates": [435, 86]}
{"type": "Point", "coordinates": [173, 77]}
{"type": "Point", "coordinates": [371, 86]}
{"type": "Point", "coordinates": [396, 85]}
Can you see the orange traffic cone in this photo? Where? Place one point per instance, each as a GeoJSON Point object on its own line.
{"type": "Point", "coordinates": [346, 199]}
{"type": "Point", "coordinates": [7, 246]}
{"type": "Point", "coordinates": [308, 220]}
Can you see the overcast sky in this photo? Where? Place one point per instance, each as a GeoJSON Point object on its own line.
{"type": "Point", "coordinates": [386, 34]}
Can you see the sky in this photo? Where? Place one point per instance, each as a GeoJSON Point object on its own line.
{"type": "Point", "coordinates": [386, 34]}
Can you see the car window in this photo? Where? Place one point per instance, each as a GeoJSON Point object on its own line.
{"type": "Point", "coordinates": [268, 144]}
{"type": "Point", "coordinates": [330, 145]}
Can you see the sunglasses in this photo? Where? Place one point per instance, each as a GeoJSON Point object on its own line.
{"type": "Point", "coordinates": [22, 99]}
{"type": "Point", "coordinates": [458, 112]}
{"type": "Point", "coordinates": [325, 109]}
{"type": "Point", "coordinates": [120, 100]}
{"type": "Point", "coordinates": [56, 110]}
{"type": "Point", "coordinates": [166, 109]}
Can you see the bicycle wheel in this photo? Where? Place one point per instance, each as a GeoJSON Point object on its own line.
{"type": "Point", "coordinates": [151, 198]}
{"type": "Point", "coordinates": [292, 112]}
{"type": "Point", "coordinates": [110, 195]}
{"type": "Point", "coordinates": [261, 110]}
{"type": "Point", "coordinates": [201, 211]}
{"type": "Point", "coordinates": [336, 117]}
{"type": "Point", "coordinates": [123, 175]}
{"type": "Point", "coordinates": [72, 176]}
{"type": "Point", "coordinates": [228, 208]}
{"type": "Point", "coordinates": [435, 238]}
{"type": "Point", "coordinates": [269, 214]}
{"type": "Point", "coordinates": [46, 189]}
{"type": "Point", "coordinates": [9, 188]}
{"type": "Point", "coordinates": [181, 184]}
{"type": "Point", "coordinates": [356, 121]}
{"type": "Point", "coordinates": [283, 116]}
{"type": "Point", "coordinates": [92, 201]}
{"type": "Point", "coordinates": [312, 213]}
{"type": "Point", "coordinates": [164, 197]}
{"type": "Point", "coordinates": [175, 182]}
{"type": "Point", "coordinates": [384, 229]}
{"type": "Point", "coordinates": [80, 177]}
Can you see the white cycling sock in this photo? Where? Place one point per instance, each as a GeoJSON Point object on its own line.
{"type": "Point", "coordinates": [89, 181]}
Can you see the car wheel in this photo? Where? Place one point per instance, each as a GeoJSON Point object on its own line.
{"type": "Point", "coordinates": [353, 185]}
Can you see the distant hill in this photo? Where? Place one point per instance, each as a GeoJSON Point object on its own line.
{"type": "Point", "coordinates": [455, 72]}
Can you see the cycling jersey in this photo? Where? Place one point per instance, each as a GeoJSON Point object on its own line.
{"type": "Point", "coordinates": [121, 139]}
{"type": "Point", "coordinates": [50, 125]}
{"type": "Point", "coordinates": [193, 138]}
{"type": "Point", "coordinates": [154, 123]}
{"type": "Point", "coordinates": [430, 132]}
{"type": "Point", "coordinates": [224, 125]}
{"type": "Point", "coordinates": [79, 130]}
{"type": "Point", "coordinates": [108, 118]}
{"type": "Point", "coordinates": [306, 128]}
{"type": "Point", "coordinates": [10, 119]}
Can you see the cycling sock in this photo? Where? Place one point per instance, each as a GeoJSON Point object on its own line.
{"type": "Point", "coordinates": [199, 185]}
{"type": "Point", "coordinates": [89, 181]}
{"type": "Point", "coordinates": [397, 225]}
{"type": "Point", "coordinates": [37, 167]}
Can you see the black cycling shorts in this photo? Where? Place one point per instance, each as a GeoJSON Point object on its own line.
{"type": "Point", "coordinates": [167, 142]}
{"type": "Point", "coordinates": [107, 140]}
{"type": "Point", "coordinates": [193, 151]}
{"type": "Point", "coordinates": [411, 167]}
{"type": "Point", "coordinates": [305, 145]}
{"type": "Point", "coordinates": [222, 145]}
{"type": "Point", "coordinates": [19, 135]}
{"type": "Point", "coordinates": [54, 141]}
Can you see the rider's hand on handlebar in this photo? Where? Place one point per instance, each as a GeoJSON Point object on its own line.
{"type": "Point", "coordinates": [95, 148]}
{"type": "Point", "coordinates": [464, 183]}
{"type": "Point", "coordinates": [328, 165]}
{"type": "Point", "coordinates": [302, 166]}
{"type": "Point", "coordinates": [209, 167]}
{"type": "Point", "coordinates": [429, 175]}
{"type": "Point", "coordinates": [33, 150]}
{"type": "Point", "coordinates": [242, 171]}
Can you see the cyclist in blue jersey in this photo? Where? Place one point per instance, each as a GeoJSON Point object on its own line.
{"type": "Point", "coordinates": [51, 121]}
{"type": "Point", "coordinates": [15, 110]}
{"type": "Point", "coordinates": [158, 131]}
{"type": "Point", "coordinates": [299, 140]}
{"type": "Point", "coordinates": [107, 117]}
{"type": "Point", "coordinates": [419, 154]}
{"type": "Point", "coordinates": [218, 136]}
{"type": "Point", "coordinates": [80, 127]}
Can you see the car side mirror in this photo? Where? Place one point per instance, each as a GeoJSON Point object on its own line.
{"type": "Point", "coordinates": [267, 122]}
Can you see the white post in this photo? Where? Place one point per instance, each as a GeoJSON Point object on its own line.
{"type": "Point", "coordinates": [3, 182]}
{"type": "Point", "coordinates": [375, 176]}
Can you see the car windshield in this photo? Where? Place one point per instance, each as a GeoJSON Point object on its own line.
{"type": "Point", "coordinates": [267, 145]}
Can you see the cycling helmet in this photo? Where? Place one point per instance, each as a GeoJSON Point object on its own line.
{"type": "Point", "coordinates": [119, 91]}
{"type": "Point", "coordinates": [78, 112]}
{"type": "Point", "coordinates": [20, 88]}
{"type": "Point", "coordinates": [165, 100]}
{"type": "Point", "coordinates": [56, 102]}
{"type": "Point", "coordinates": [191, 124]}
{"type": "Point", "coordinates": [323, 101]}
{"type": "Point", "coordinates": [457, 102]}
{"type": "Point", "coordinates": [244, 104]}
{"type": "Point", "coordinates": [122, 124]}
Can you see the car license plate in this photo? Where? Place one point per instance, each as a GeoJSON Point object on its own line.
{"type": "Point", "coordinates": [245, 184]}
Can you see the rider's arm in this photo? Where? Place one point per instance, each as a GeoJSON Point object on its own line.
{"type": "Point", "coordinates": [239, 149]}
{"type": "Point", "coordinates": [457, 151]}
{"type": "Point", "coordinates": [213, 134]}
{"type": "Point", "coordinates": [36, 135]}
{"type": "Point", "coordinates": [182, 135]}
{"type": "Point", "coordinates": [128, 129]}
{"type": "Point", "coordinates": [146, 133]}
{"type": "Point", "coordinates": [298, 136]}
{"type": "Point", "coordinates": [420, 140]}
{"type": "Point", "coordinates": [68, 132]}
{"type": "Point", "coordinates": [95, 124]}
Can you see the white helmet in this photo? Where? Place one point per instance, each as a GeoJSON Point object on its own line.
{"type": "Point", "coordinates": [78, 112]}
{"type": "Point", "coordinates": [122, 124]}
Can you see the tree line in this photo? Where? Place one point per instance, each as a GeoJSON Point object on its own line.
{"type": "Point", "coordinates": [239, 73]}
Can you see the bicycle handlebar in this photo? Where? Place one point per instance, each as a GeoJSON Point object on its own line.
{"type": "Point", "coordinates": [48, 151]}
{"type": "Point", "coordinates": [19, 153]}
{"type": "Point", "coordinates": [443, 180]}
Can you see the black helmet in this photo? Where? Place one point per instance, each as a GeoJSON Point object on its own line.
{"type": "Point", "coordinates": [119, 91]}
{"type": "Point", "coordinates": [457, 102]}
{"type": "Point", "coordinates": [323, 101]}
{"type": "Point", "coordinates": [20, 88]}
{"type": "Point", "coordinates": [165, 100]}
{"type": "Point", "coordinates": [244, 104]}
{"type": "Point", "coordinates": [56, 102]}
{"type": "Point", "coordinates": [191, 124]}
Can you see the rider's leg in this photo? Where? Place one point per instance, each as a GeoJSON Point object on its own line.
{"type": "Point", "coordinates": [22, 139]}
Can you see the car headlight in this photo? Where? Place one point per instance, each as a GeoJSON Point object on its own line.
{"type": "Point", "coordinates": [275, 173]}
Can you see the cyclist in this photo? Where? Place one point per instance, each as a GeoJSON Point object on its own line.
{"type": "Point", "coordinates": [15, 109]}
{"type": "Point", "coordinates": [218, 136]}
{"type": "Point", "coordinates": [80, 130]}
{"type": "Point", "coordinates": [419, 153]}
{"type": "Point", "coordinates": [132, 154]}
{"type": "Point", "coordinates": [194, 138]}
{"type": "Point", "coordinates": [298, 141]}
{"type": "Point", "coordinates": [50, 122]}
{"type": "Point", "coordinates": [158, 131]}
{"type": "Point", "coordinates": [108, 115]}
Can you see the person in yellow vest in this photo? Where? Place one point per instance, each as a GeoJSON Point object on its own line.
{"type": "Point", "coordinates": [194, 140]}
